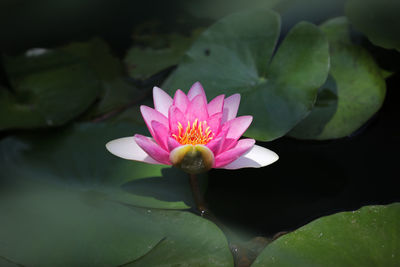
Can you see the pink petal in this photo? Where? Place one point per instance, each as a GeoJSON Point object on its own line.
{"type": "Point", "coordinates": [180, 100]}
{"type": "Point", "coordinates": [150, 115]}
{"type": "Point", "coordinates": [197, 109]}
{"type": "Point", "coordinates": [175, 115]}
{"type": "Point", "coordinates": [152, 149]}
{"type": "Point", "coordinates": [231, 106]}
{"type": "Point", "coordinates": [216, 105]}
{"type": "Point", "coordinates": [215, 122]}
{"type": "Point", "coordinates": [172, 143]}
{"type": "Point", "coordinates": [127, 148]}
{"type": "Point", "coordinates": [215, 144]}
{"type": "Point", "coordinates": [233, 154]}
{"type": "Point", "coordinates": [162, 101]}
{"type": "Point", "coordinates": [161, 134]}
{"type": "Point", "coordinates": [236, 128]}
{"type": "Point", "coordinates": [228, 144]}
{"type": "Point", "coordinates": [256, 157]}
{"type": "Point", "coordinates": [195, 90]}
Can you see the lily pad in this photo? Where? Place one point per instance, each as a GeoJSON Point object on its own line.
{"type": "Point", "coordinates": [234, 56]}
{"type": "Point", "coordinates": [63, 203]}
{"type": "Point", "coordinates": [53, 225]}
{"type": "Point", "coordinates": [178, 250]}
{"type": "Point", "coordinates": [366, 237]}
{"type": "Point", "coordinates": [78, 156]}
{"type": "Point", "coordinates": [354, 92]}
{"type": "Point", "coordinates": [116, 91]}
{"type": "Point", "coordinates": [51, 87]}
{"type": "Point", "coordinates": [7, 263]}
{"type": "Point", "coordinates": [143, 62]}
{"type": "Point", "coordinates": [47, 225]}
{"type": "Point", "coordinates": [378, 20]}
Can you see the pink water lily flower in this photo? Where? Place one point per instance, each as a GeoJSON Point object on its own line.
{"type": "Point", "coordinates": [193, 134]}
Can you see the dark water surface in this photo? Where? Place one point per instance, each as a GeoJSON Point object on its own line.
{"type": "Point", "coordinates": [314, 178]}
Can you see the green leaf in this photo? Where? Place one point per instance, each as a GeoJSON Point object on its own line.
{"type": "Point", "coordinates": [51, 87]}
{"type": "Point", "coordinates": [353, 93]}
{"type": "Point", "coordinates": [7, 263]}
{"type": "Point", "coordinates": [366, 237]}
{"type": "Point", "coordinates": [143, 62]}
{"type": "Point", "coordinates": [233, 56]}
{"type": "Point", "coordinates": [386, 73]}
{"type": "Point", "coordinates": [378, 20]}
{"type": "Point", "coordinates": [77, 155]}
{"type": "Point", "coordinates": [116, 90]}
{"type": "Point", "coordinates": [66, 201]}
{"type": "Point", "coordinates": [178, 250]}
{"type": "Point", "coordinates": [47, 225]}
{"type": "Point", "coordinates": [52, 225]}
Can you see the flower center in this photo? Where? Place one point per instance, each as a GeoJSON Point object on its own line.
{"type": "Point", "coordinates": [197, 133]}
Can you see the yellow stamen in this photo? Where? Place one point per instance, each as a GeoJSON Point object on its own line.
{"type": "Point", "coordinates": [194, 134]}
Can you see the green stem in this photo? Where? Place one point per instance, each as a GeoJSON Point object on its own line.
{"type": "Point", "coordinates": [197, 195]}
{"type": "Point", "coordinates": [202, 206]}
{"type": "Point", "coordinates": [239, 253]}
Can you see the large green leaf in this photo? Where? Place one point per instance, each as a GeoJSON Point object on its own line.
{"type": "Point", "coordinates": [53, 225]}
{"type": "Point", "coordinates": [366, 237]}
{"type": "Point", "coordinates": [354, 92]}
{"type": "Point", "coordinates": [51, 87]}
{"type": "Point", "coordinates": [47, 225]}
{"type": "Point", "coordinates": [233, 56]}
{"type": "Point", "coordinates": [178, 250]}
{"type": "Point", "coordinates": [7, 263]}
{"type": "Point", "coordinates": [116, 90]}
{"type": "Point", "coordinates": [78, 156]}
{"type": "Point", "coordinates": [65, 201]}
{"type": "Point", "coordinates": [378, 20]}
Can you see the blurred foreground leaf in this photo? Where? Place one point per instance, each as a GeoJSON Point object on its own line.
{"type": "Point", "coordinates": [47, 225]}
{"type": "Point", "coordinates": [77, 156]}
{"type": "Point", "coordinates": [353, 93]}
{"type": "Point", "coordinates": [233, 56]}
{"type": "Point", "coordinates": [378, 20]}
{"type": "Point", "coordinates": [51, 87]}
{"type": "Point", "coordinates": [66, 201]}
{"type": "Point", "coordinates": [369, 236]}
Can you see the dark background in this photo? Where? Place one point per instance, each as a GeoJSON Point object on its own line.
{"type": "Point", "coordinates": [315, 178]}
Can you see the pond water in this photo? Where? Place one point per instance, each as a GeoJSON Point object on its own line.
{"type": "Point", "coordinates": [314, 178]}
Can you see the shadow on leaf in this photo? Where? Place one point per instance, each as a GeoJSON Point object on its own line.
{"type": "Point", "coordinates": [172, 186]}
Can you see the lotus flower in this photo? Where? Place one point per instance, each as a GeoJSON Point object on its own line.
{"type": "Point", "coordinates": [194, 135]}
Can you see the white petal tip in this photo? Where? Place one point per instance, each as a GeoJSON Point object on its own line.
{"type": "Point", "coordinates": [162, 100]}
{"type": "Point", "coordinates": [256, 157]}
{"type": "Point", "coordinates": [127, 148]}
{"type": "Point", "coordinates": [157, 89]}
